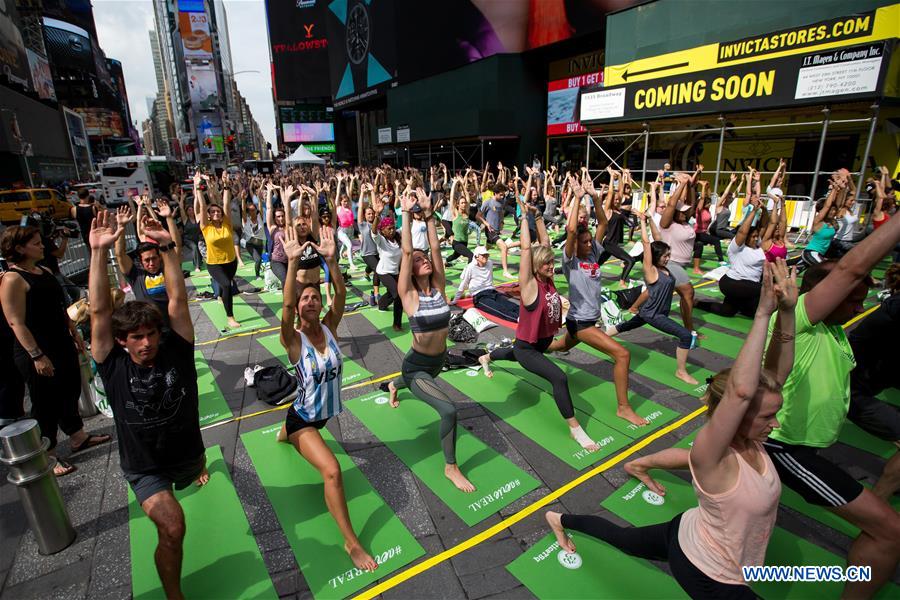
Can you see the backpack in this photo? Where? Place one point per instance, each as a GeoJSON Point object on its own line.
{"type": "Point", "coordinates": [461, 331]}
{"type": "Point", "coordinates": [626, 298]}
{"type": "Point", "coordinates": [275, 385]}
{"type": "Point", "coordinates": [461, 360]}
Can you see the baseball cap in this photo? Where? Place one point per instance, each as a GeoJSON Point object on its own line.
{"type": "Point", "coordinates": [683, 207]}
{"type": "Point", "coordinates": [775, 192]}
{"type": "Point", "coordinates": [480, 250]}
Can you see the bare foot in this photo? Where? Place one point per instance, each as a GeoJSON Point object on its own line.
{"type": "Point", "coordinates": [232, 324]}
{"type": "Point", "coordinates": [360, 557]}
{"type": "Point", "coordinates": [698, 272]}
{"type": "Point", "coordinates": [282, 435]}
{"type": "Point", "coordinates": [203, 479]}
{"type": "Point", "coordinates": [508, 275]}
{"type": "Point", "coordinates": [453, 473]}
{"type": "Point", "coordinates": [578, 434]}
{"type": "Point", "coordinates": [554, 519]}
{"type": "Point", "coordinates": [683, 375]}
{"type": "Point", "coordinates": [627, 413]}
{"type": "Point", "coordinates": [485, 361]}
{"type": "Point", "coordinates": [395, 402]}
{"type": "Point", "coordinates": [623, 283]}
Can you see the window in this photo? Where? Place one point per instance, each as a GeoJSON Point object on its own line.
{"type": "Point", "coordinates": [15, 197]}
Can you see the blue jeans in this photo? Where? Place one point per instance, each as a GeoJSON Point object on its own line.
{"type": "Point", "coordinates": [499, 305]}
{"type": "Point", "coordinates": [662, 323]}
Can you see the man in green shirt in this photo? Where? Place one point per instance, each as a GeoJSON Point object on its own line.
{"type": "Point", "coordinates": [816, 399]}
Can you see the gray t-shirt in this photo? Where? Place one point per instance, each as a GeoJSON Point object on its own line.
{"type": "Point", "coordinates": [367, 244]}
{"type": "Point", "coordinates": [493, 213]}
{"type": "Point", "coordinates": [550, 208]}
{"type": "Point", "coordinates": [584, 284]}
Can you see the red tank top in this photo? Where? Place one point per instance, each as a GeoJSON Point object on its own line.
{"type": "Point", "coordinates": [876, 223]}
{"type": "Point", "coordinates": [546, 318]}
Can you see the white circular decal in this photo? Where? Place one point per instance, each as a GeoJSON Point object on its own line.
{"type": "Point", "coordinates": [382, 400]}
{"type": "Point", "coordinates": [653, 498]}
{"type": "Point", "coordinates": [569, 560]}
{"type": "Point", "coordinates": [471, 373]}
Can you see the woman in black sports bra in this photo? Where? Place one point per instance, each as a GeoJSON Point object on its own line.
{"type": "Point", "coordinates": [46, 342]}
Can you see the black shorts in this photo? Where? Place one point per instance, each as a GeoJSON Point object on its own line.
{"type": "Point", "coordinates": [817, 479]}
{"type": "Point", "coordinates": [294, 422]}
{"type": "Point", "coordinates": [492, 236]}
{"type": "Point", "coordinates": [145, 485]}
{"type": "Point", "coordinates": [573, 326]}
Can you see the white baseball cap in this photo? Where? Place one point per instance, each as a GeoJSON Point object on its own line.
{"type": "Point", "coordinates": [480, 250]}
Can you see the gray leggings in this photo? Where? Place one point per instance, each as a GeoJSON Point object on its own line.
{"type": "Point", "coordinates": [418, 373]}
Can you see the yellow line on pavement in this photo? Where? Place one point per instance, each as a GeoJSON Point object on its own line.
{"type": "Point", "coordinates": [525, 512]}
{"type": "Point", "coordinates": [860, 317]}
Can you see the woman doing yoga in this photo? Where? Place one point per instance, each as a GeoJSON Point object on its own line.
{"type": "Point", "coordinates": [736, 483]}
{"type": "Point", "coordinates": [215, 225]}
{"type": "Point", "coordinates": [615, 218]}
{"type": "Point", "coordinates": [421, 287]}
{"type": "Point", "coordinates": [540, 317]}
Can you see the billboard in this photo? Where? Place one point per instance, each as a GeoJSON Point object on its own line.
{"type": "Point", "coordinates": [307, 132]}
{"type": "Point", "coordinates": [102, 122]}
{"type": "Point", "coordinates": [41, 77]}
{"type": "Point", "coordinates": [562, 103]}
{"type": "Point", "coordinates": [298, 34]}
{"type": "Point", "coordinates": [209, 133]}
{"type": "Point", "coordinates": [13, 60]}
{"type": "Point", "coordinates": [195, 37]}
{"type": "Point", "coordinates": [68, 46]}
{"type": "Point", "coordinates": [203, 85]}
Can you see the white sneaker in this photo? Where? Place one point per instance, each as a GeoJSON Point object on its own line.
{"type": "Point", "coordinates": [250, 374]}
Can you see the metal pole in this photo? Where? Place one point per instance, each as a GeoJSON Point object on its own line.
{"type": "Point", "coordinates": [719, 155]}
{"type": "Point", "coordinates": [587, 157]}
{"type": "Point", "coordinates": [453, 154]}
{"type": "Point", "coordinates": [429, 156]}
{"type": "Point", "coordinates": [865, 156]}
{"type": "Point", "coordinates": [646, 148]}
{"type": "Point", "coordinates": [812, 187]}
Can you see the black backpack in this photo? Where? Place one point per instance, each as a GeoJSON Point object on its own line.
{"type": "Point", "coordinates": [275, 385]}
{"type": "Point", "coordinates": [626, 298]}
{"type": "Point", "coordinates": [461, 331]}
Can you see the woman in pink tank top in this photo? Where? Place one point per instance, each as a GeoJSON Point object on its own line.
{"type": "Point", "coordinates": [736, 483]}
{"type": "Point", "coordinates": [773, 242]}
{"type": "Point", "coordinates": [540, 318]}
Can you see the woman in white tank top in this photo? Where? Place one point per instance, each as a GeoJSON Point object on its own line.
{"type": "Point", "coordinates": [736, 483]}
{"type": "Point", "coordinates": [318, 365]}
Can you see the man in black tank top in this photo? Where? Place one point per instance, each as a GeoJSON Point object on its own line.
{"type": "Point", "coordinates": [151, 382]}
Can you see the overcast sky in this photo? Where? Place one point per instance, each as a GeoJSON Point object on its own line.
{"type": "Point", "coordinates": [122, 27]}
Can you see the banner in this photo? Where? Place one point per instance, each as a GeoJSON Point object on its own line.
{"type": "Point", "coordinates": [13, 60]}
{"type": "Point", "coordinates": [41, 77]}
{"type": "Point", "coordinates": [195, 37]}
{"type": "Point", "coordinates": [562, 103]}
{"type": "Point", "coordinates": [843, 74]}
{"type": "Point", "coordinates": [298, 34]}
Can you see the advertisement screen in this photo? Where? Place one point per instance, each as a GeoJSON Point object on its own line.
{"type": "Point", "coordinates": [203, 86]}
{"type": "Point", "coordinates": [41, 76]}
{"type": "Point", "coordinates": [209, 133]}
{"type": "Point", "coordinates": [562, 103]}
{"type": "Point", "coordinates": [102, 122]}
{"type": "Point", "coordinates": [13, 61]}
{"type": "Point", "coordinates": [307, 132]}
{"type": "Point", "coordinates": [194, 29]}
{"type": "Point", "coordinates": [299, 39]}
{"type": "Point", "coordinates": [68, 46]}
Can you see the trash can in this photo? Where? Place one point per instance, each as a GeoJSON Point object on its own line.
{"type": "Point", "coordinates": [31, 471]}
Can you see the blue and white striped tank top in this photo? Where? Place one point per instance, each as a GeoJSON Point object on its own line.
{"type": "Point", "coordinates": [318, 379]}
{"type": "Point", "coordinates": [433, 313]}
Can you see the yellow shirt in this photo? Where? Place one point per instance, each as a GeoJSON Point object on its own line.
{"type": "Point", "coordinates": [219, 243]}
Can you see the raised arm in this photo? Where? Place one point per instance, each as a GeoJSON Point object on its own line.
{"type": "Point", "coordinates": [328, 250]}
{"type": "Point", "coordinates": [290, 338]}
{"type": "Point", "coordinates": [670, 459]}
{"type": "Point", "coordinates": [780, 353]}
{"type": "Point", "coordinates": [405, 286]}
{"type": "Point", "coordinates": [743, 231]}
{"type": "Point", "coordinates": [438, 274]}
{"type": "Point", "coordinates": [102, 236]}
{"type": "Point", "coordinates": [270, 215]}
{"type": "Point", "coordinates": [669, 214]}
{"type": "Point", "coordinates": [650, 272]}
{"type": "Point", "coordinates": [199, 201]}
{"type": "Point", "coordinates": [179, 315]}
{"type": "Point", "coordinates": [124, 216]}
{"type": "Point", "coordinates": [572, 219]}
{"type": "Point", "coordinates": [714, 440]}
{"type": "Point", "coordinates": [826, 206]}
{"type": "Point", "coordinates": [166, 212]}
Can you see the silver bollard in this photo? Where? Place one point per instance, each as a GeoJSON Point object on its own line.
{"type": "Point", "coordinates": [31, 471]}
{"type": "Point", "coordinates": [86, 406]}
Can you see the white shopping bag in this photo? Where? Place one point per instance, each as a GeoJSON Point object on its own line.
{"type": "Point", "coordinates": [478, 320]}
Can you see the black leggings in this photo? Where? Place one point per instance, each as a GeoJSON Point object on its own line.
{"type": "Point", "coordinates": [280, 270]}
{"type": "Point", "coordinates": [531, 357]}
{"type": "Point", "coordinates": [419, 373]}
{"type": "Point", "coordinates": [54, 400]}
{"type": "Point", "coordinates": [391, 295]}
{"type": "Point", "coordinates": [706, 239]}
{"type": "Point", "coordinates": [657, 542]}
{"type": "Point", "coordinates": [613, 249]}
{"type": "Point", "coordinates": [224, 275]}
{"type": "Point", "coordinates": [741, 296]}
{"type": "Point", "coordinates": [371, 261]}
{"type": "Point", "coordinates": [460, 249]}
{"type": "Point", "coordinates": [255, 247]}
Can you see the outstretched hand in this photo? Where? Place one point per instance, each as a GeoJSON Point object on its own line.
{"type": "Point", "coordinates": [292, 248]}
{"type": "Point", "coordinates": [154, 230]}
{"type": "Point", "coordinates": [326, 246]}
{"type": "Point", "coordinates": [124, 216]}
{"type": "Point", "coordinates": [103, 235]}
{"type": "Point", "coordinates": [163, 209]}
{"type": "Point", "coordinates": [424, 201]}
{"type": "Point", "coordinates": [768, 301]}
{"type": "Point", "coordinates": [785, 284]}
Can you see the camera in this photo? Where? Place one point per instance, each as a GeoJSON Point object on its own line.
{"type": "Point", "coordinates": [50, 227]}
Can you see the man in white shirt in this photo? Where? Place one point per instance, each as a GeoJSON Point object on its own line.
{"type": "Point", "coordinates": [478, 281]}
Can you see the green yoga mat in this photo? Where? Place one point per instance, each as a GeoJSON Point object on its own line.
{"type": "Point", "coordinates": [596, 570]}
{"type": "Point", "coordinates": [221, 558]}
{"type": "Point", "coordinates": [632, 504]}
{"type": "Point", "coordinates": [738, 323]}
{"type": "Point", "coordinates": [295, 490]}
{"type": "Point", "coordinates": [412, 433]}
{"type": "Point", "coordinates": [352, 372]}
{"type": "Point", "coordinates": [275, 302]}
{"type": "Point", "coordinates": [658, 366]}
{"type": "Point", "coordinates": [243, 312]}
{"type": "Point", "coordinates": [383, 321]}
{"type": "Point", "coordinates": [532, 411]}
{"type": "Point", "coordinates": [853, 435]}
{"type": "Point", "coordinates": [213, 407]}
{"type": "Point", "coordinates": [597, 398]}
{"type": "Point", "coordinates": [891, 396]}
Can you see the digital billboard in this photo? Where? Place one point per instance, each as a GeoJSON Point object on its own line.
{"type": "Point", "coordinates": [204, 88]}
{"type": "Point", "coordinates": [210, 139]}
{"type": "Point", "coordinates": [298, 34]}
{"type": "Point", "coordinates": [13, 60]}
{"type": "Point", "coordinates": [307, 132]}
{"type": "Point", "coordinates": [562, 103]}
{"type": "Point", "coordinates": [41, 77]}
{"type": "Point", "coordinates": [195, 37]}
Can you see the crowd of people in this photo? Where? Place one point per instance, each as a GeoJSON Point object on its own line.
{"type": "Point", "coordinates": [796, 379]}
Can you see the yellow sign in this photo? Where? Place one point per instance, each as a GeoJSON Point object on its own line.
{"type": "Point", "coordinates": [881, 24]}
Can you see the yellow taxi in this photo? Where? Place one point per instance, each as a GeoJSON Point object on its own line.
{"type": "Point", "coordinates": [14, 204]}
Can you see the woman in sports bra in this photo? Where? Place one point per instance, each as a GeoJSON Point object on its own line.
{"type": "Point", "coordinates": [736, 483]}
{"type": "Point", "coordinates": [318, 364]}
{"type": "Point", "coordinates": [421, 287]}
{"type": "Point", "coordinates": [773, 242]}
